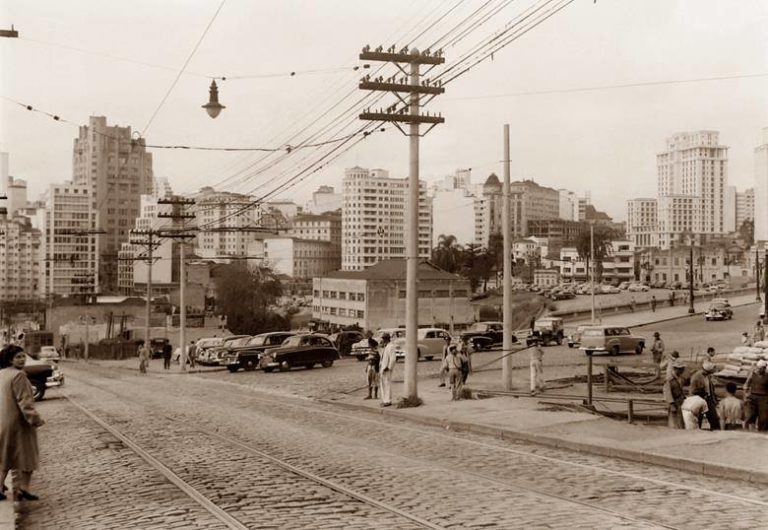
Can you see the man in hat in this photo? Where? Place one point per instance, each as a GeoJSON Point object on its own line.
{"type": "Point", "coordinates": [756, 397]}
{"type": "Point", "coordinates": [674, 396]}
{"type": "Point", "coordinates": [657, 348]}
{"type": "Point", "coordinates": [701, 385]}
{"type": "Point", "coordinates": [537, 366]}
{"type": "Point", "coordinates": [386, 365]}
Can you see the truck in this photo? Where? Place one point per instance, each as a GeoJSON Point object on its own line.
{"type": "Point", "coordinates": [34, 340]}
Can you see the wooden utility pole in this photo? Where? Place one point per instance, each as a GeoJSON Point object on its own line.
{"type": "Point", "coordinates": [179, 215]}
{"type": "Point", "coordinates": [148, 241]}
{"type": "Point", "coordinates": [409, 114]}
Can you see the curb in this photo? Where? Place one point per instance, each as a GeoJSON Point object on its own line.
{"type": "Point", "coordinates": [682, 464]}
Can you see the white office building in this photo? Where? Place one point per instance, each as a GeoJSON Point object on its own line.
{"type": "Point", "coordinates": [374, 218]}
{"type": "Point", "coordinates": [642, 222]}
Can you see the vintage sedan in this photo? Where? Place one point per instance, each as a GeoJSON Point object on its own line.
{"type": "Point", "coordinates": [43, 375]}
{"type": "Point", "coordinates": [212, 354]}
{"type": "Point", "coordinates": [248, 355]}
{"type": "Point", "coordinates": [430, 343]}
{"type": "Point", "coordinates": [300, 350]}
{"type": "Point", "coordinates": [610, 339]}
{"type": "Point", "coordinates": [718, 311]}
{"type": "Point", "coordinates": [483, 335]}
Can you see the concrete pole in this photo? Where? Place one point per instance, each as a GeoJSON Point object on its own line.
{"type": "Point", "coordinates": [149, 291]}
{"type": "Point", "coordinates": [182, 308]}
{"type": "Point", "coordinates": [592, 265]}
{"type": "Point", "coordinates": [506, 364]}
{"type": "Point", "coordinates": [87, 331]}
{"type": "Point", "coordinates": [412, 247]}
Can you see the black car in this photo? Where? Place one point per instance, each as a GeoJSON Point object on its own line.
{"type": "Point", "coordinates": [300, 350]}
{"type": "Point", "coordinates": [718, 311]}
{"type": "Point", "coordinates": [343, 340]}
{"type": "Point", "coordinates": [483, 335]}
{"type": "Point", "coordinates": [42, 375]}
{"type": "Point", "coordinates": [247, 355]}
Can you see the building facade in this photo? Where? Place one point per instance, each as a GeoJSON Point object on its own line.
{"type": "Point", "coordinates": [672, 265]}
{"type": "Point", "coordinates": [227, 223]}
{"type": "Point", "coordinates": [301, 259]}
{"type": "Point", "coordinates": [617, 267]}
{"type": "Point", "coordinates": [745, 206]}
{"type": "Point", "coordinates": [642, 222]}
{"type": "Point", "coordinates": [569, 205]}
{"type": "Point", "coordinates": [19, 258]}
{"type": "Point", "coordinates": [374, 218]}
{"type": "Point", "coordinates": [537, 203]}
{"type": "Point", "coordinates": [375, 298]}
{"type": "Point", "coordinates": [117, 170]}
{"type": "Point", "coordinates": [488, 206]}
{"type": "Point", "coordinates": [325, 199]}
{"type": "Point", "coordinates": [452, 209]}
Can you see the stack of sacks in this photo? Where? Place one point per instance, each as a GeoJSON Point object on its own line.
{"type": "Point", "coordinates": [740, 363]}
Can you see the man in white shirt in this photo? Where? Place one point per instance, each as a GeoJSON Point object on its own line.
{"type": "Point", "coordinates": [693, 408]}
{"type": "Point", "coordinates": [387, 366]}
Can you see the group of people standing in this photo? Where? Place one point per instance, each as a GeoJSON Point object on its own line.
{"type": "Point", "coordinates": [730, 413]}
{"type": "Point", "coordinates": [456, 365]}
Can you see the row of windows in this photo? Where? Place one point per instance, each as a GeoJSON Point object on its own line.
{"type": "Point", "coordinates": [339, 311]}
{"type": "Point", "coordinates": [340, 295]}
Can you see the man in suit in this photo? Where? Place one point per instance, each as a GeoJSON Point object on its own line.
{"type": "Point", "coordinates": [387, 366]}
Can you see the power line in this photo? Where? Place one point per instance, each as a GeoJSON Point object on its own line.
{"type": "Point", "coordinates": [184, 66]}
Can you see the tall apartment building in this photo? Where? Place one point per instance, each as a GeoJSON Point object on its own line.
{"type": "Point", "coordinates": [373, 218]}
{"type": "Point", "coordinates": [489, 204]}
{"type": "Point", "coordinates": [19, 258]}
{"type": "Point", "coordinates": [118, 170]}
{"type": "Point", "coordinates": [569, 205]}
{"type": "Point", "coordinates": [227, 223]}
{"type": "Point", "coordinates": [745, 206]}
{"type": "Point", "coordinates": [70, 260]}
{"type": "Point", "coordinates": [692, 174]}
{"type": "Point", "coordinates": [761, 188]}
{"type": "Point", "coordinates": [301, 259]}
{"type": "Point", "coordinates": [318, 259]}
{"type": "Point", "coordinates": [642, 222]}
{"type": "Point", "coordinates": [325, 199]}
{"type": "Point", "coordinates": [320, 227]}
{"type": "Point", "coordinates": [538, 202]}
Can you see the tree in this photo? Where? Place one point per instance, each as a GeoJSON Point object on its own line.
{"type": "Point", "coordinates": [747, 231]}
{"type": "Point", "coordinates": [602, 237]}
{"type": "Point", "coordinates": [447, 254]}
{"type": "Point", "coordinates": [247, 297]}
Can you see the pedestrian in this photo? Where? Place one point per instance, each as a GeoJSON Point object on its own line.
{"type": "Point", "coordinates": [632, 304]}
{"type": "Point", "coordinates": [672, 299]}
{"type": "Point", "coordinates": [657, 348]}
{"type": "Point", "coordinates": [670, 362]}
{"type": "Point", "coordinates": [372, 369]}
{"type": "Point", "coordinates": [19, 421]}
{"type": "Point", "coordinates": [711, 354]}
{"type": "Point", "coordinates": [192, 354]}
{"type": "Point", "coordinates": [452, 363]}
{"type": "Point", "coordinates": [143, 358]}
{"type": "Point", "coordinates": [387, 366]}
{"type": "Point", "coordinates": [731, 410]}
{"type": "Point", "coordinates": [746, 339]}
{"type": "Point", "coordinates": [756, 397]}
{"type": "Point", "coordinates": [759, 333]}
{"type": "Point", "coordinates": [653, 303]}
{"type": "Point", "coordinates": [694, 407]}
{"type": "Point", "coordinates": [443, 367]}
{"type": "Point", "coordinates": [674, 396]}
{"type": "Point", "coordinates": [466, 367]}
{"type": "Point", "coordinates": [537, 367]}
{"type": "Point", "coordinates": [167, 353]}
{"type": "Point", "coordinates": [701, 385]}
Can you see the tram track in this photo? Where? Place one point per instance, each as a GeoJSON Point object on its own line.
{"type": "Point", "coordinates": [275, 404]}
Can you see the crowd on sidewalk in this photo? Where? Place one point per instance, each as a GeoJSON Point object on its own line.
{"type": "Point", "coordinates": [689, 411]}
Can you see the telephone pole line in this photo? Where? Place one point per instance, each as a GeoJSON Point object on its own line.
{"type": "Point", "coordinates": [149, 242]}
{"type": "Point", "coordinates": [179, 215]}
{"type": "Point", "coordinates": [414, 87]}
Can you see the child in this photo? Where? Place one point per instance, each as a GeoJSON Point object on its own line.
{"type": "Point", "coordinates": [372, 370]}
{"type": "Point", "coordinates": [731, 410]}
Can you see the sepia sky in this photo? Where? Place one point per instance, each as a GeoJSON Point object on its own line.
{"type": "Point", "coordinates": [81, 57]}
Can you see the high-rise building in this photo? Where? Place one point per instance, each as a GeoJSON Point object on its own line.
{"type": "Point", "coordinates": [19, 258]}
{"type": "Point", "coordinates": [538, 202]}
{"type": "Point", "coordinates": [227, 223]}
{"type": "Point", "coordinates": [489, 204]}
{"type": "Point", "coordinates": [642, 222]}
{"type": "Point", "coordinates": [69, 252]}
{"type": "Point", "coordinates": [692, 174]}
{"type": "Point", "coordinates": [745, 206]}
{"type": "Point", "coordinates": [325, 199]}
{"type": "Point", "coordinates": [118, 170]}
{"type": "Point", "coordinates": [729, 208]}
{"type": "Point", "coordinates": [374, 216]}
{"type": "Point", "coordinates": [569, 205]}
{"type": "Point", "coordinates": [761, 188]}
{"type": "Point", "coordinates": [17, 195]}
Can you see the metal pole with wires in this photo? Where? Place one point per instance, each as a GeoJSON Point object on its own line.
{"type": "Point", "coordinates": [506, 222]}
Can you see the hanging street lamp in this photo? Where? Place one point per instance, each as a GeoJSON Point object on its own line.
{"type": "Point", "coordinates": [213, 107]}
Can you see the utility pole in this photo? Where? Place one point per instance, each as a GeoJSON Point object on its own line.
{"type": "Point", "coordinates": [9, 33]}
{"type": "Point", "coordinates": [506, 220]}
{"type": "Point", "coordinates": [592, 265]}
{"type": "Point", "coordinates": [150, 243]}
{"type": "Point", "coordinates": [413, 117]}
{"type": "Point", "coordinates": [179, 232]}
{"type": "Point", "coordinates": [691, 309]}
{"type": "Point", "coordinates": [765, 286]}
{"type": "Point", "coordinates": [757, 274]}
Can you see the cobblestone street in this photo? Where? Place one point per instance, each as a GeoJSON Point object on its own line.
{"type": "Point", "coordinates": [272, 461]}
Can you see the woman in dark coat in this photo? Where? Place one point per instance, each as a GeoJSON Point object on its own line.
{"type": "Point", "coordinates": [18, 422]}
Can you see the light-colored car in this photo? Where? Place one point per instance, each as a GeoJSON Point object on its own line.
{"type": "Point", "coordinates": [638, 287]}
{"type": "Point", "coordinates": [613, 340]}
{"type": "Point", "coordinates": [574, 339]}
{"type": "Point", "coordinates": [430, 343]}
{"type": "Point", "coordinates": [361, 350]}
{"type": "Point", "coordinates": [202, 346]}
{"type": "Point", "coordinates": [48, 353]}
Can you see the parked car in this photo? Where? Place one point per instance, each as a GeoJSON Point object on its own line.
{"type": "Point", "coordinates": [300, 350]}
{"type": "Point", "coordinates": [215, 353]}
{"type": "Point", "coordinates": [638, 287]}
{"type": "Point", "coordinates": [203, 345]}
{"type": "Point", "coordinates": [623, 286]}
{"type": "Point", "coordinates": [610, 339]}
{"type": "Point", "coordinates": [547, 330]}
{"type": "Point", "coordinates": [430, 343]}
{"type": "Point", "coordinates": [483, 335]}
{"type": "Point", "coordinates": [248, 354]}
{"type": "Point", "coordinates": [361, 350]}
{"type": "Point", "coordinates": [718, 311]}
{"type": "Point", "coordinates": [43, 375]}
{"type": "Point", "coordinates": [562, 295]}
{"type": "Point", "coordinates": [48, 353]}
{"type": "Point", "coordinates": [574, 340]}
{"type": "Point", "coordinates": [156, 346]}
{"type": "Point", "coordinates": [608, 289]}
{"type": "Point", "coordinates": [343, 340]}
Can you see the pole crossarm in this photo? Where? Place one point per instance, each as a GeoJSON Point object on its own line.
{"type": "Point", "coordinates": [176, 216]}
{"type": "Point", "coordinates": [9, 33]}
{"type": "Point", "coordinates": [400, 87]}
{"type": "Point", "coordinates": [76, 232]}
{"type": "Point", "coordinates": [238, 229]}
{"type": "Point", "coordinates": [401, 118]}
{"type": "Point", "coordinates": [403, 56]}
{"type": "Point", "coordinates": [178, 200]}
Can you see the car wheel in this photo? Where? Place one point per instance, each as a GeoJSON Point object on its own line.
{"type": "Point", "coordinates": [570, 345]}
{"type": "Point", "coordinates": [38, 390]}
{"type": "Point", "coordinates": [233, 369]}
{"type": "Point", "coordinates": [328, 363]}
{"type": "Point", "coordinates": [250, 366]}
{"type": "Point", "coordinates": [639, 348]}
{"type": "Point", "coordinates": [429, 357]}
{"type": "Point", "coordinates": [285, 366]}
{"type": "Point", "coordinates": [309, 366]}
{"type": "Point", "coordinates": [616, 350]}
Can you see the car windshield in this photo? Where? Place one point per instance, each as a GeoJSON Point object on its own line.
{"type": "Point", "coordinates": [477, 326]}
{"type": "Point", "coordinates": [718, 305]}
{"type": "Point", "coordinates": [239, 342]}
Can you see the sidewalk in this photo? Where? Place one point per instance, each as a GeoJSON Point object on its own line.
{"type": "Point", "coordinates": [7, 510]}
